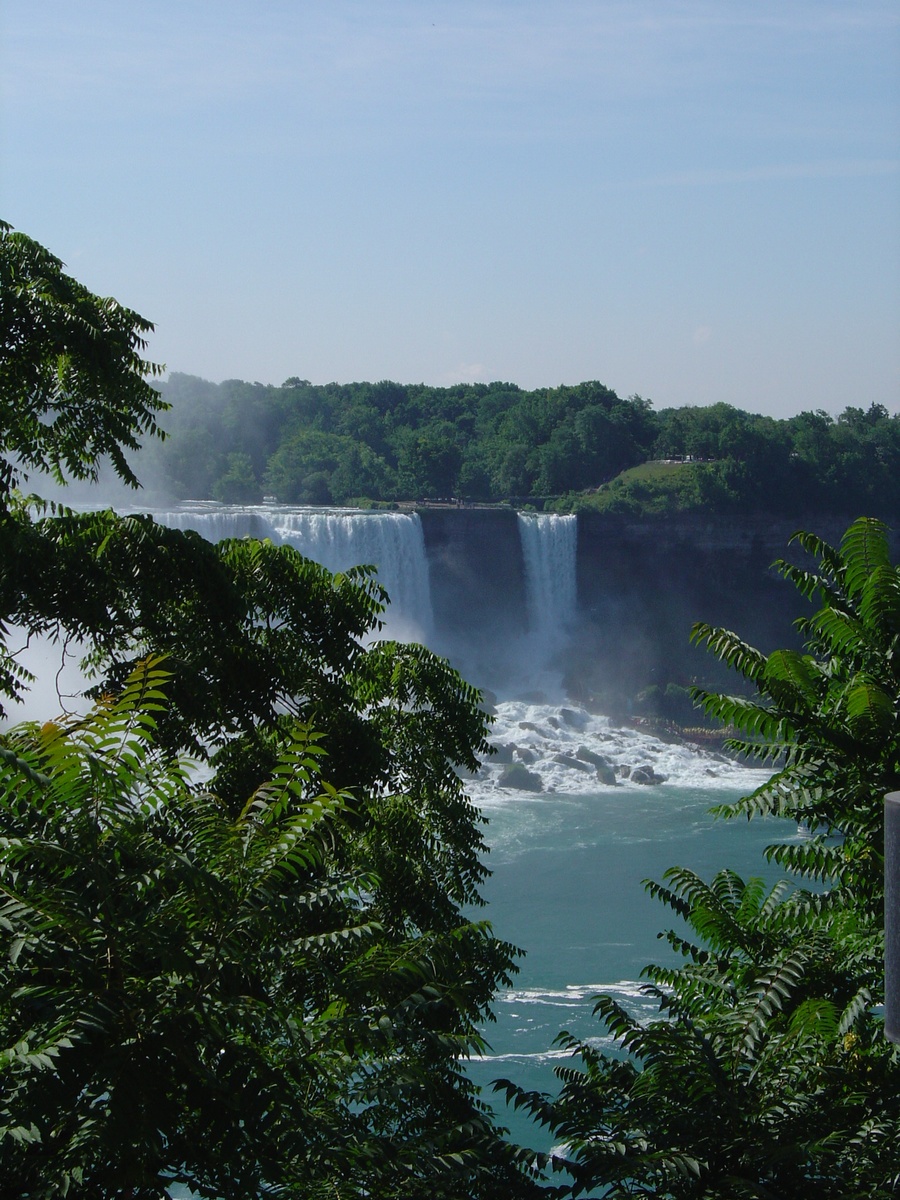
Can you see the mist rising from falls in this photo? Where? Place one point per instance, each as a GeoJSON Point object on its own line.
{"type": "Point", "coordinates": [520, 646]}
{"type": "Point", "coordinates": [519, 664]}
{"type": "Point", "coordinates": [337, 539]}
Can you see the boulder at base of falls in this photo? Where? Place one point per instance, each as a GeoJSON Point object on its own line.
{"type": "Point", "coordinates": [523, 754]}
{"type": "Point", "coordinates": [503, 752]}
{"type": "Point", "coordinates": [574, 764]}
{"type": "Point", "coordinates": [517, 776]}
{"type": "Point", "coordinates": [530, 727]}
{"type": "Point", "coordinates": [606, 772]}
{"type": "Point", "coordinates": [646, 775]}
{"type": "Point", "coordinates": [592, 757]}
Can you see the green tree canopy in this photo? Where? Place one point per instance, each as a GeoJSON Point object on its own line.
{"type": "Point", "coordinates": [238, 485]}
{"type": "Point", "coordinates": [194, 955]}
{"type": "Point", "coordinates": [73, 382]}
{"type": "Point", "coordinates": [199, 998]}
{"type": "Point", "coordinates": [568, 446]}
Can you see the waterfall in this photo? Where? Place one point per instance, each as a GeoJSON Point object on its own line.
{"type": "Point", "coordinates": [338, 539]}
{"type": "Point", "coordinates": [549, 543]}
{"type": "Point", "coordinates": [215, 522]}
{"type": "Point", "coordinates": [392, 542]}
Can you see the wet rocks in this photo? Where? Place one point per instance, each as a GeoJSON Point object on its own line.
{"type": "Point", "coordinates": [503, 752]}
{"type": "Point", "coordinates": [606, 772]}
{"type": "Point", "coordinates": [646, 775]}
{"type": "Point", "coordinates": [532, 728]}
{"type": "Point", "coordinates": [517, 776]}
{"type": "Point", "coordinates": [574, 764]}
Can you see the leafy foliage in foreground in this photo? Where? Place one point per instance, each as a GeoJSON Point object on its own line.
{"type": "Point", "coordinates": [246, 996]}
{"type": "Point", "coordinates": [64, 354]}
{"type": "Point", "coordinates": [767, 1073]}
{"type": "Point", "coordinates": [188, 996]}
{"type": "Point", "coordinates": [832, 714]}
{"type": "Point", "coordinates": [256, 636]}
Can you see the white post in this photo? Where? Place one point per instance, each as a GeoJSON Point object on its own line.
{"type": "Point", "coordinates": [892, 916]}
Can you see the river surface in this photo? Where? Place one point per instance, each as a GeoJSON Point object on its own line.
{"type": "Point", "coordinates": [566, 886]}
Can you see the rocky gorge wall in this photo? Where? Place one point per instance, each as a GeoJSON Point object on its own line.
{"type": "Point", "coordinates": [641, 586]}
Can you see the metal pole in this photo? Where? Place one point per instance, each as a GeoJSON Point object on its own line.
{"type": "Point", "coordinates": [892, 916]}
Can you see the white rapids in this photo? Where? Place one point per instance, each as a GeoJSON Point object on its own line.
{"type": "Point", "coordinates": [569, 750]}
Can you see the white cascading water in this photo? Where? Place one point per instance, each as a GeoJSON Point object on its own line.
{"type": "Point", "coordinates": [560, 742]}
{"type": "Point", "coordinates": [549, 543]}
{"type": "Point", "coordinates": [214, 522]}
{"type": "Point", "coordinates": [338, 539]}
{"type": "Point", "coordinates": [392, 542]}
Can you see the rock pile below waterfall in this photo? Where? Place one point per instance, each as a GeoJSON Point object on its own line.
{"type": "Point", "coordinates": [543, 748]}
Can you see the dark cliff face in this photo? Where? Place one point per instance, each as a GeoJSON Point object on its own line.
{"type": "Point", "coordinates": [641, 587]}
{"type": "Point", "coordinates": [477, 588]}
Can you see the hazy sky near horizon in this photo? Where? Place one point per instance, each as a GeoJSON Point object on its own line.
{"type": "Point", "coordinates": [694, 200]}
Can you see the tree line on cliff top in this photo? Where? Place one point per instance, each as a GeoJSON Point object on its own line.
{"type": "Point", "coordinates": [263, 980]}
{"type": "Point", "coordinates": [565, 448]}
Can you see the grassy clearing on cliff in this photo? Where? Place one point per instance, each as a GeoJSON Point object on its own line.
{"type": "Point", "coordinates": [656, 488]}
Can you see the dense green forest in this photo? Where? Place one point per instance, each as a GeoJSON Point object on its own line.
{"type": "Point", "coordinates": [564, 448]}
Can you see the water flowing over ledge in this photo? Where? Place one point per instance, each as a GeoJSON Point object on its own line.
{"type": "Point", "coordinates": [549, 544]}
{"type": "Point", "coordinates": [544, 609]}
{"type": "Point", "coordinates": [338, 539]}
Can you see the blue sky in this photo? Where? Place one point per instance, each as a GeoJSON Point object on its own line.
{"type": "Point", "coordinates": [695, 201]}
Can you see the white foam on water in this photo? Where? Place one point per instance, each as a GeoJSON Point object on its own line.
{"type": "Point", "coordinates": [538, 1056]}
{"type": "Point", "coordinates": [556, 744]}
{"type": "Point", "coordinates": [556, 999]}
{"type": "Point", "coordinates": [574, 993]}
{"type": "Point", "coordinates": [579, 999]}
